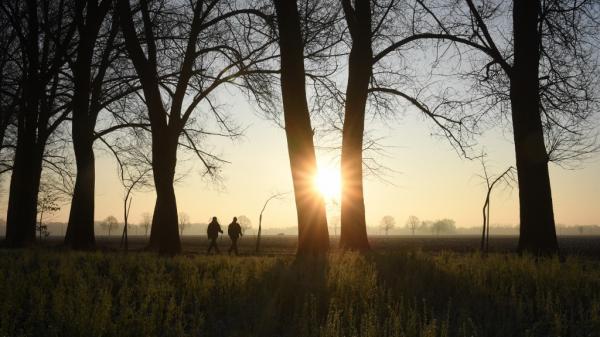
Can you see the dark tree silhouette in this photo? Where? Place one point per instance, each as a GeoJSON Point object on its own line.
{"type": "Point", "coordinates": [260, 217]}
{"type": "Point", "coordinates": [506, 178]}
{"type": "Point", "coordinates": [353, 233]}
{"type": "Point", "coordinates": [208, 54]}
{"type": "Point", "coordinates": [313, 236]}
{"type": "Point", "coordinates": [10, 87]}
{"type": "Point", "coordinates": [44, 33]}
{"type": "Point", "coordinates": [543, 74]}
{"type": "Point", "coordinates": [94, 55]}
{"type": "Point", "coordinates": [373, 28]}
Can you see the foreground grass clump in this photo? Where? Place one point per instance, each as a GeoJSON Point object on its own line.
{"type": "Point", "coordinates": [45, 293]}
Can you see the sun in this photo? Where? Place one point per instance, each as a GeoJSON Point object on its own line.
{"type": "Point", "coordinates": [328, 182]}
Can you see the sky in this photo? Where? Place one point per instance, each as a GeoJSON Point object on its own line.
{"type": "Point", "coordinates": [427, 179]}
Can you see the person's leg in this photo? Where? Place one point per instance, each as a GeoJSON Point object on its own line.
{"type": "Point", "coordinates": [211, 245]}
{"type": "Point", "coordinates": [235, 247]}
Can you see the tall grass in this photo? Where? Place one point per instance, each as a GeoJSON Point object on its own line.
{"type": "Point", "coordinates": [46, 293]}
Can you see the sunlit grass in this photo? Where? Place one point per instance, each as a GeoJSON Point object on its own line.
{"type": "Point", "coordinates": [46, 293]}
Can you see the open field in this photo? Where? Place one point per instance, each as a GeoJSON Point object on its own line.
{"type": "Point", "coordinates": [408, 287]}
{"type": "Point", "coordinates": [286, 245]}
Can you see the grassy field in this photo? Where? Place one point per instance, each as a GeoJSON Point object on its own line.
{"type": "Point", "coordinates": [588, 246]}
{"type": "Point", "coordinates": [393, 292]}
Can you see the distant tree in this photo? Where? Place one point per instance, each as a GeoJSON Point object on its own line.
{"type": "Point", "coordinates": [109, 224]}
{"type": "Point", "coordinates": [413, 223]}
{"type": "Point", "coordinates": [133, 227]}
{"type": "Point", "coordinates": [426, 225]}
{"type": "Point", "coordinates": [387, 222]}
{"type": "Point", "coordinates": [443, 226]}
{"type": "Point", "coordinates": [145, 223]}
{"type": "Point", "coordinates": [245, 223]}
{"type": "Point", "coordinates": [184, 222]}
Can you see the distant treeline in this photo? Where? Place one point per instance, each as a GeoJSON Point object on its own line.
{"type": "Point", "coordinates": [59, 228]}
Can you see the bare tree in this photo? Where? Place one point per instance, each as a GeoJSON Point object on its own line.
{"type": "Point", "coordinates": [49, 202]}
{"type": "Point", "coordinates": [413, 223]}
{"type": "Point", "coordinates": [387, 222]}
{"type": "Point", "coordinates": [44, 32]}
{"type": "Point", "coordinates": [109, 224]}
{"type": "Point", "coordinates": [245, 223]}
{"type": "Point", "coordinates": [506, 178]}
{"type": "Point", "coordinates": [543, 72]}
{"type": "Point", "coordinates": [10, 87]}
{"type": "Point", "coordinates": [208, 54]}
{"type": "Point", "coordinates": [146, 222]}
{"type": "Point", "coordinates": [134, 175]}
{"type": "Point", "coordinates": [100, 79]}
{"type": "Point", "coordinates": [377, 30]}
{"type": "Point", "coordinates": [184, 222]}
{"type": "Point", "coordinates": [275, 196]}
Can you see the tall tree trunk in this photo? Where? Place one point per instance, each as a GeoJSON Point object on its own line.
{"type": "Point", "coordinates": [313, 235]}
{"type": "Point", "coordinates": [537, 229]}
{"type": "Point", "coordinates": [80, 229]}
{"type": "Point", "coordinates": [164, 235]}
{"type": "Point", "coordinates": [353, 233]}
{"type": "Point", "coordinates": [24, 187]}
{"type": "Point", "coordinates": [27, 167]}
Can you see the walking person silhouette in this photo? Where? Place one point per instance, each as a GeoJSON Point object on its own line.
{"type": "Point", "coordinates": [212, 231]}
{"type": "Point", "coordinates": [235, 231]}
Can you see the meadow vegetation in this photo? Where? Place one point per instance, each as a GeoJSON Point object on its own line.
{"type": "Point", "coordinates": [394, 294]}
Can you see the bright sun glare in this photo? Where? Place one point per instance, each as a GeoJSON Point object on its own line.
{"type": "Point", "coordinates": [328, 182]}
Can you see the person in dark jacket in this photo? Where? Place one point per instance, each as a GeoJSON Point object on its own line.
{"type": "Point", "coordinates": [235, 231]}
{"type": "Point", "coordinates": [212, 232]}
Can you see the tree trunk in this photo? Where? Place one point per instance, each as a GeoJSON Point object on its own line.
{"type": "Point", "coordinates": [353, 234]}
{"type": "Point", "coordinates": [313, 235]}
{"type": "Point", "coordinates": [164, 235]}
{"type": "Point", "coordinates": [537, 229]}
{"type": "Point", "coordinates": [80, 229]}
{"type": "Point", "coordinates": [24, 187]}
{"type": "Point", "coordinates": [27, 167]}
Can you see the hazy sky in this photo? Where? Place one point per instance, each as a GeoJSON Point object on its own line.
{"type": "Point", "coordinates": [430, 180]}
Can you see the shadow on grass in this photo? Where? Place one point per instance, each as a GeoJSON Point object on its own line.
{"type": "Point", "coordinates": [512, 296]}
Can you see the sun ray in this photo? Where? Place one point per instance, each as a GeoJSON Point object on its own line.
{"type": "Point", "coordinates": [328, 182]}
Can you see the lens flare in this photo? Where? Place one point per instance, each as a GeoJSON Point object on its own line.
{"type": "Point", "coordinates": [328, 182]}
